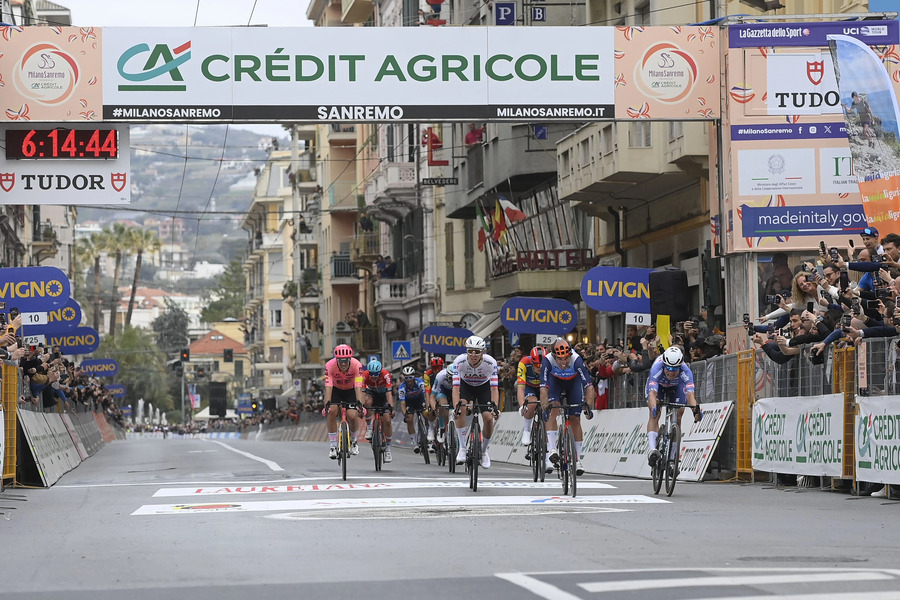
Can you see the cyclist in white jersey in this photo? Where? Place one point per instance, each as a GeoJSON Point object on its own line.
{"type": "Point", "coordinates": [476, 381]}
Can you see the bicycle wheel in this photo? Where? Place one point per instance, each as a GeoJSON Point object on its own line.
{"type": "Point", "coordinates": [562, 450]}
{"type": "Point", "coordinates": [422, 437]}
{"type": "Point", "coordinates": [474, 453]}
{"type": "Point", "coordinates": [377, 441]}
{"type": "Point", "coordinates": [672, 468]}
{"type": "Point", "coordinates": [344, 447]}
{"type": "Point", "coordinates": [657, 470]}
{"type": "Point", "coordinates": [572, 459]}
{"type": "Point", "coordinates": [540, 431]}
{"type": "Point", "coordinates": [440, 451]}
{"type": "Point", "coordinates": [452, 444]}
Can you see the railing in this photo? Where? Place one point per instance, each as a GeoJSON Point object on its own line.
{"type": "Point", "coordinates": [342, 267]}
{"type": "Point", "coordinates": [387, 290]}
{"type": "Point", "coordinates": [474, 166]}
{"type": "Point", "coordinates": [365, 247]}
{"type": "Point", "coordinates": [367, 338]}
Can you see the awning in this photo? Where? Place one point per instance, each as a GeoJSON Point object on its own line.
{"type": "Point", "coordinates": [289, 394]}
{"type": "Point", "coordinates": [486, 325]}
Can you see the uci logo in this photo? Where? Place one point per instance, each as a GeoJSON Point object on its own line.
{"type": "Point", "coordinates": [162, 64]}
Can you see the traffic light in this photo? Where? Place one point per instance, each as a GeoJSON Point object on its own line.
{"type": "Point", "coordinates": [229, 354]}
{"type": "Point", "coordinates": [254, 405]}
{"type": "Point", "coordinates": [185, 355]}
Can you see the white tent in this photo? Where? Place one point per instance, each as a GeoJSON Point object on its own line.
{"type": "Point", "coordinates": [204, 415]}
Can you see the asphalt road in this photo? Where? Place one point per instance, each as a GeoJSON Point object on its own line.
{"type": "Point", "coordinates": [244, 519]}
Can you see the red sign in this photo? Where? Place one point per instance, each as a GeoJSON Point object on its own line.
{"type": "Point", "coordinates": [545, 260]}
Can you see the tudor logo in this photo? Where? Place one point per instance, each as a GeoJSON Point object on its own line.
{"type": "Point", "coordinates": [118, 181]}
{"type": "Point", "coordinates": [815, 71]}
{"type": "Point", "coordinates": [7, 181]}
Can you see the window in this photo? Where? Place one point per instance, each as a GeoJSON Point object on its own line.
{"type": "Point", "coordinates": [642, 14]}
{"type": "Point", "coordinates": [469, 244]}
{"type": "Point", "coordinates": [676, 130]}
{"type": "Point", "coordinates": [584, 153]}
{"type": "Point", "coordinates": [639, 134]}
{"type": "Point", "coordinates": [238, 369]}
{"type": "Point", "coordinates": [607, 140]}
{"type": "Point", "coordinates": [274, 318]}
{"type": "Point", "coordinates": [448, 255]}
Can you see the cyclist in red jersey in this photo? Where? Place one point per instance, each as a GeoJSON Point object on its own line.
{"type": "Point", "coordinates": [435, 367]}
{"type": "Point", "coordinates": [343, 386]}
{"type": "Point", "coordinates": [378, 390]}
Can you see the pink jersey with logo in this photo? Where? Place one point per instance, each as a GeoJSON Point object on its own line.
{"type": "Point", "coordinates": [343, 380]}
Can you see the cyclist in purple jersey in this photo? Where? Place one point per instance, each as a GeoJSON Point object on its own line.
{"type": "Point", "coordinates": [669, 376]}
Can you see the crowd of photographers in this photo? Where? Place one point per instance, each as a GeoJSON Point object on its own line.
{"type": "Point", "coordinates": [840, 297]}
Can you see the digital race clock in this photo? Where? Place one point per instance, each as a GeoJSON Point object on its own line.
{"type": "Point", "coordinates": [61, 143]}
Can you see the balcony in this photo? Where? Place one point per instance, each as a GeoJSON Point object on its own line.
{"type": "Point", "coordinates": [45, 243]}
{"type": "Point", "coordinates": [342, 134]}
{"type": "Point", "coordinates": [365, 249]}
{"type": "Point", "coordinates": [367, 340]}
{"type": "Point", "coordinates": [341, 195]}
{"type": "Point", "coordinates": [356, 11]}
{"type": "Point", "coordinates": [343, 269]}
{"type": "Point", "coordinates": [391, 294]}
{"type": "Point", "coordinates": [393, 183]}
{"type": "Point", "coordinates": [307, 239]}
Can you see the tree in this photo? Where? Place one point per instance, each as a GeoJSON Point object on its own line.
{"type": "Point", "coordinates": [228, 295]}
{"type": "Point", "coordinates": [171, 328]}
{"type": "Point", "coordinates": [89, 250]}
{"type": "Point", "coordinates": [141, 240]}
{"type": "Point", "coordinates": [142, 366]}
{"type": "Point", "coordinates": [118, 240]}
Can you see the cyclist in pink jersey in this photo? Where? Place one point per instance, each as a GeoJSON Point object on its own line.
{"type": "Point", "coordinates": [343, 387]}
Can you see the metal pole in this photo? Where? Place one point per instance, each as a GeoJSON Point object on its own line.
{"type": "Point", "coordinates": [182, 394]}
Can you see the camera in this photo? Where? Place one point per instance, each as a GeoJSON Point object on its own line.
{"type": "Point", "coordinates": [805, 267]}
{"type": "Point", "coordinates": [773, 299]}
{"type": "Point", "coordinates": [845, 280]}
{"type": "Point", "coordinates": [822, 247]}
{"type": "Point", "coordinates": [883, 293]}
{"type": "Point", "coordinates": [695, 324]}
{"type": "Point", "coordinates": [845, 320]}
{"type": "Point", "coordinates": [835, 256]}
{"type": "Point", "coordinates": [870, 304]}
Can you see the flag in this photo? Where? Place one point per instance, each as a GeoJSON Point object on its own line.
{"type": "Point", "coordinates": [483, 229]}
{"type": "Point", "coordinates": [499, 234]}
{"type": "Point", "coordinates": [513, 214]}
{"type": "Point", "coordinates": [871, 116]}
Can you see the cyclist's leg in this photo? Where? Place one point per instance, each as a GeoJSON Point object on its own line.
{"type": "Point", "coordinates": [576, 406]}
{"type": "Point", "coordinates": [465, 396]}
{"type": "Point", "coordinates": [653, 415]}
{"type": "Point", "coordinates": [484, 400]}
{"type": "Point", "coordinates": [531, 402]}
{"type": "Point", "coordinates": [331, 418]}
{"type": "Point", "coordinates": [368, 403]}
{"type": "Point", "coordinates": [441, 402]}
{"type": "Point", "coordinates": [430, 415]}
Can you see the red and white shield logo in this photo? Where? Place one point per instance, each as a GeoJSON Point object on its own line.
{"type": "Point", "coordinates": [815, 71]}
{"type": "Point", "coordinates": [7, 181]}
{"type": "Point", "coordinates": [118, 181]}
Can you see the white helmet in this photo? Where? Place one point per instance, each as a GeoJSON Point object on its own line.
{"type": "Point", "coordinates": [475, 343]}
{"type": "Point", "coordinates": [673, 357]}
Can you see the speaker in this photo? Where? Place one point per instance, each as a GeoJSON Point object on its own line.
{"type": "Point", "coordinates": [217, 395]}
{"type": "Point", "coordinates": [669, 294]}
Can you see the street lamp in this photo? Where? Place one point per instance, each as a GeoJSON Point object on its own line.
{"type": "Point", "coordinates": [415, 240]}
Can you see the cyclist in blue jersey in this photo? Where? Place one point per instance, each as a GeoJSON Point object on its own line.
{"type": "Point", "coordinates": [670, 376]}
{"type": "Point", "coordinates": [411, 394]}
{"type": "Point", "coordinates": [563, 370]}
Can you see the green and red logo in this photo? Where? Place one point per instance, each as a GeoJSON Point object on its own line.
{"type": "Point", "coordinates": [160, 70]}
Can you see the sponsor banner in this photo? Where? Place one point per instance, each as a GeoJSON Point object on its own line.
{"type": "Point", "coordinates": [539, 315]}
{"type": "Point", "coordinates": [803, 435]}
{"type": "Point", "coordinates": [847, 219]}
{"type": "Point", "coordinates": [873, 122]}
{"type": "Point", "coordinates": [100, 367]}
{"type": "Point", "coordinates": [50, 445]}
{"type": "Point", "coordinates": [34, 289]}
{"type": "Point", "coordinates": [64, 317]}
{"type": "Point", "coordinates": [76, 340]}
{"type": "Point", "coordinates": [617, 289]}
{"type": "Point", "coordinates": [615, 441]}
{"type": "Point", "coordinates": [117, 390]}
{"type": "Point", "coordinates": [79, 181]}
{"type": "Point", "coordinates": [444, 340]}
{"type": "Point", "coordinates": [813, 93]}
{"type": "Point", "coordinates": [878, 439]}
{"type": "Point", "coordinates": [767, 35]}
{"type": "Point", "coordinates": [788, 131]}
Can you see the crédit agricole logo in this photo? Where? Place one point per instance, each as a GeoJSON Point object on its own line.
{"type": "Point", "coordinates": [159, 71]}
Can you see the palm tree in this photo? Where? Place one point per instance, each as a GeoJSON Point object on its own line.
{"type": "Point", "coordinates": [141, 240]}
{"type": "Point", "coordinates": [118, 240]}
{"type": "Point", "coordinates": [89, 250]}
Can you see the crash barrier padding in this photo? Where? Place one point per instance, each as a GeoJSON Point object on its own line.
{"type": "Point", "coordinates": [106, 431]}
{"type": "Point", "coordinates": [746, 395]}
{"type": "Point", "coordinates": [52, 444]}
{"type": "Point", "coordinates": [845, 383]}
{"type": "Point", "coordinates": [9, 403]}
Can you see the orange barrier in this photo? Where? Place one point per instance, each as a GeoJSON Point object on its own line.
{"type": "Point", "coordinates": [9, 400]}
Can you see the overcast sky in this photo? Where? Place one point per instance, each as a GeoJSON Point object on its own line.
{"type": "Point", "coordinates": [182, 13]}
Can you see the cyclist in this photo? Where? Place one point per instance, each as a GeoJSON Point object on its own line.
{"type": "Point", "coordinates": [378, 391]}
{"type": "Point", "coordinates": [476, 380]}
{"type": "Point", "coordinates": [563, 370]}
{"type": "Point", "coordinates": [528, 391]}
{"type": "Point", "coordinates": [411, 393]}
{"type": "Point", "coordinates": [442, 394]}
{"type": "Point", "coordinates": [343, 385]}
{"type": "Point", "coordinates": [435, 367]}
{"type": "Point", "coordinates": [671, 376]}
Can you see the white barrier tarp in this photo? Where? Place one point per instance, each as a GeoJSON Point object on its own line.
{"type": "Point", "coordinates": [803, 435]}
{"type": "Point", "coordinates": [878, 439]}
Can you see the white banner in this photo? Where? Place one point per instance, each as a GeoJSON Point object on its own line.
{"type": "Point", "coordinates": [615, 441]}
{"type": "Point", "coordinates": [803, 435]}
{"type": "Point", "coordinates": [878, 439]}
{"type": "Point", "coordinates": [407, 73]}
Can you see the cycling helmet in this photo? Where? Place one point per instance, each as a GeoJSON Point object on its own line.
{"type": "Point", "coordinates": [374, 368]}
{"type": "Point", "coordinates": [537, 355]}
{"type": "Point", "coordinates": [437, 363]}
{"type": "Point", "coordinates": [672, 358]}
{"type": "Point", "coordinates": [408, 371]}
{"type": "Point", "coordinates": [562, 349]}
{"type": "Point", "coordinates": [475, 343]}
{"type": "Point", "coordinates": [451, 369]}
{"type": "Point", "coordinates": [343, 351]}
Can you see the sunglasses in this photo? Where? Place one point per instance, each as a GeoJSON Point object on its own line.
{"type": "Point", "coordinates": [672, 369]}
{"type": "Point", "coordinates": [470, 351]}
{"type": "Point", "coordinates": [343, 361]}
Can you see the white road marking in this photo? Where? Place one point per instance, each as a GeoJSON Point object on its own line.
{"type": "Point", "coordinates": [359, 503]}
{"type": "Point", "coordinates": [386, 514]}
{"type": "Point", "coordinates": [271, 464]}
{"type": "Point", "coordinates": [653, 584]}
{"type": "Point", "coordinates": [819, 596]}
{"type": "Point", "coordinates": [244, 490]}
{"type": "Point", "coordinates": [537, 587]}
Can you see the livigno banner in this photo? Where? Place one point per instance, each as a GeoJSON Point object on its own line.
{"type": "Point", "coordinates": [247, 74]}
{"type": "Point", "coordinates": [878, 439]}
{"type": "Point", "coordinates": [802, 435]}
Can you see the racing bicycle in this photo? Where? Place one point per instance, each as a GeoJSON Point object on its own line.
{"type": "Point", "coordinates": [669, 445]}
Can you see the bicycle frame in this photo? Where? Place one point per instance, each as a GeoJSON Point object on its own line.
{"type": "Point", "coordinates": [421, 432]}
{"type": "Point", "coordinates": [565, 448]}
{"type": "Point", "coordinates": [537, 449]}
{"type": "Point", "coordinates": [378, 442]}
{"type": "Point", "coordinates": [666, 467]}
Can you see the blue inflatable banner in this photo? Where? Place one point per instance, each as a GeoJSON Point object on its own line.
{"type": "Point", "coordinates": [539, 315]}
{"type": "Point", "coordinates": [77, 340]}
{"type": "Point", "coordinates": [58, 319]}
{"type": "Point", "coordinates": [117, 390]}
{"type": "Point", "coordinates": [617, 289]}
{"type": "Point", "coordinates": [34, 289]}
{"type": "Point", "coordinates": [100, 367]}
{"type": "Point", "coordinates": [444, 340]}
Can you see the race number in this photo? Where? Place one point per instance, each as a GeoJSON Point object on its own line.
{"type": "Point", "coordinates": [637, 319]}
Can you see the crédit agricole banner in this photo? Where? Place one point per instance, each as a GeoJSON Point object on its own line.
{"type": "Point", "coordinates": [361, 74]}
